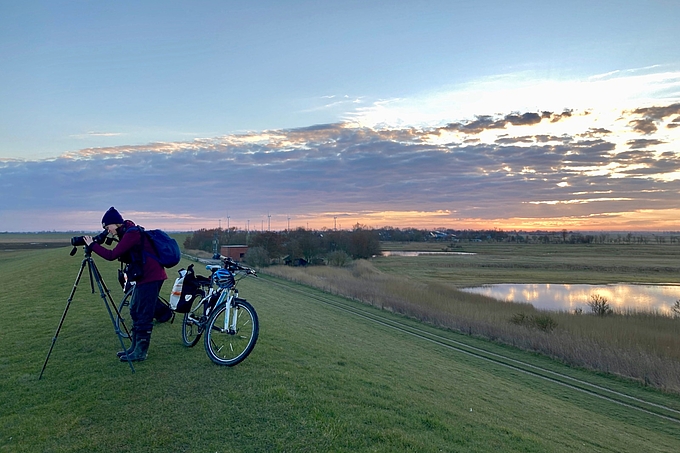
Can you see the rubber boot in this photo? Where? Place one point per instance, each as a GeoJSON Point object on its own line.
{"type": "Point", "coordinates": [141, 348]}
{"type": "Point", "coordinates": [129, 350]}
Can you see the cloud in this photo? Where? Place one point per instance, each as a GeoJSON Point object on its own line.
{"type": "Point", "coordinates": [658, 113]}
{"type": "Point", "coordinates": [651, 117]}
{"type": "Point", "coordinates": [520, 166]}
{"type": "Point", "coordinates": [643, 143]}
{"type": "Point", "coordinates": [488, 122]}
{"type": "Point", "coordinates": [524, 92]}
{"type": "Point", "coordinates": [595, 132]}
{"type": "Point", "coordinates": [97, 134]}
{"type": "Point", "coordinates": [336, 102]}
{"type": "Point", "coordinates": [644, 126]}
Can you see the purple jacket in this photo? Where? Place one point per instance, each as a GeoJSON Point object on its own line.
{"type": "Point", "coordinates": [152, 270]}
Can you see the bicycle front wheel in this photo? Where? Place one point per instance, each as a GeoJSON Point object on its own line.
{"type": "Point", "coordinates": [229, 344]}
{"type": "Point", "coordinates": [193, 322]}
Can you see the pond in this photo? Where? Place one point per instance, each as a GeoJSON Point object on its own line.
{"type": "Point", "coordinates": [401, 253]}
{"type": "Point", "coordinates": [558, 297]}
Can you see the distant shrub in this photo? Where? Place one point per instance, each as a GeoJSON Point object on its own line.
{"type": "Point", "coordinates": [519, 318]}
{"type": "Point", "coordinates": [541, 322]}
{"type": "Point", "coordinates": [339, 258]}
{"type": "Point", "coordinates": [675, 308]}
{"type": "Point", "coordinates": [544, 323]}
{"type": "Point", "coordinates": [257, 256]}
{"type": "Point", "coordinates": [599, 305]}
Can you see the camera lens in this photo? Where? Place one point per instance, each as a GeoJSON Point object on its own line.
{"type": "Point", "coordinates": [77, 241]}
{"type": "Point", "coordinates": [101, 237]}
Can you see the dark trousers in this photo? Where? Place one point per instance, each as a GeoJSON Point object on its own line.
{"type": "Point", "coordinates": [143, 304]}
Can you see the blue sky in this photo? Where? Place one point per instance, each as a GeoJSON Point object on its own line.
{"type": "Point", "coordinates": [555, 114]}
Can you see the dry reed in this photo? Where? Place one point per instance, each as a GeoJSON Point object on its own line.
{"type": "Point", "coordinates": [641, 346]}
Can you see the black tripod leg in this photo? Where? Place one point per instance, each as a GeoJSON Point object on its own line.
{"type": "Point", "coordinates": [61, 322]}
{"type": "Point", "coordinates": [89, 269]}
{"type": "Point", "coordinates": [108, 301]}
{"type": "Point", "coordinates": [106, 295]}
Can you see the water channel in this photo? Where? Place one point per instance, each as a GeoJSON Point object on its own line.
{"type": "Point", "coordinates": [401, 253]}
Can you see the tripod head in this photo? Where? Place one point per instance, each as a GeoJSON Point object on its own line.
{"type": "Point", "coordinates": [86, 249]}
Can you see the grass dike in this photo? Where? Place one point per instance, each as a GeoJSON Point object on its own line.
{"type": "Point", "coordinates": [317, 380]}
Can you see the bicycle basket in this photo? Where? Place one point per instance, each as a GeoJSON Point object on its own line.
{"type": "Point", "coordinates": [223, 278]}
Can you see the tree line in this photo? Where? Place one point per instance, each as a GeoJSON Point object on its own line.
{"type": "Point", "coordinates": [339, 246]}
{"type": "Point", "coordinates": [299, 245]}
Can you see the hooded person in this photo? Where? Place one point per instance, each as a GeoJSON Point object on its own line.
{"type": "Point", "coordinates": [148, 275]}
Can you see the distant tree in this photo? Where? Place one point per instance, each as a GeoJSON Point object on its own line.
{"type": "Point", "coordinates": [305, 244]}
{"type": "Point", "coordinates": [200, 240]}
{"type": "Point", "coordinates": [364, 242]}
{"type": "Point", "coordinates": [257, 256]}
{"type": "Point", "coordinates": [270, 241]}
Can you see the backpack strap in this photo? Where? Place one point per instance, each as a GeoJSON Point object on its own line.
{"type": "Point", "coordinates": [144, 235]}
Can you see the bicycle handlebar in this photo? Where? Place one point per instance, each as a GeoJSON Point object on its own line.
{"type": "Point", "coordinates": [232, 265]}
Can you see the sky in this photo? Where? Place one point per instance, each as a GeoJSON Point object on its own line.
{"type": "Point", "coordinates": [259, 115]}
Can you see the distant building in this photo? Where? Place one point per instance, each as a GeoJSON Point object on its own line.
{"type": "Point", "coordinates": [235, 252]}
{"type": "Point", "coordinates": [288, 261]}
{"type": "Point", "coordinates": [443, 236]}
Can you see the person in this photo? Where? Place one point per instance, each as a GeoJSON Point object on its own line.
{"type": "Point", "coordinates": [135, 250]}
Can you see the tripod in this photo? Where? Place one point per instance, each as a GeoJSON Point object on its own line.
{"type": "Point", "coordinates": [95, 276]}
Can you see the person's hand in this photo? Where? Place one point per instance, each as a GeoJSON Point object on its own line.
{"type": "Point", "coordinates": [88, 240]}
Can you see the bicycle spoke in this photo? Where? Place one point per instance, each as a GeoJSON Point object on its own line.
{"type": "Point", "coordinates": [227, 346]}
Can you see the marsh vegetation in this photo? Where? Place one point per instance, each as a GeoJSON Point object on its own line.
{"type": "Point", "coordinates": [638, 345]}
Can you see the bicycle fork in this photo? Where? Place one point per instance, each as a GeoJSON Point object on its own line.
{"type": "Point", "coordinates": [230, 313]}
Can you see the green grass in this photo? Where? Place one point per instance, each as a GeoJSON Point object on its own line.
{"type": "Point", "coordinates": [537, 263]}
{"type": "Point", "coordinates": [318, 380]}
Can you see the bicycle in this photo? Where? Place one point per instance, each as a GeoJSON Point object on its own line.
{"type": "Point", "coordinates": [230, 323]}
{"type": "Point", "coordinates": [124, 317]}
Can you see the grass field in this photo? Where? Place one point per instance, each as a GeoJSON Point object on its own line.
{"type": "Point", "coordinates": [538, 263]}
{"type": "Point", "coordinates": [318, 380]}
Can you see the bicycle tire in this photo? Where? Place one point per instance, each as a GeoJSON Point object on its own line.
{"type": "Point", "coordinates": [226, 347]}
{"type": "Point", "coordinates": [123, 318]}
{"type": "Point", "coordinates": [193, 322]}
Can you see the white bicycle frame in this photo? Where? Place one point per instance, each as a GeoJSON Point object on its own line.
{"type": "Point", "coordinates": [226, 297]}
{"type": "Point", "coordinates": [230, 314]}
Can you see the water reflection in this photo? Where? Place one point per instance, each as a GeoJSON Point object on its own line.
{"type": "Point", "coordinates": [401, 253]}
{"type": "Point", "coordinates": [556, 297]}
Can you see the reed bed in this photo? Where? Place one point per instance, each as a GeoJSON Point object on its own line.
{"type": "Point", "coordinates": [640, 346]}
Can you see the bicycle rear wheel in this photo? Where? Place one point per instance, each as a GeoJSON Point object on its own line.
{"type": "Point", "coordinates": [124, 320]}
{"type": "Point", "coordinates": [226, 345]}
{"type": "Point", "coordinates": [193, 322]}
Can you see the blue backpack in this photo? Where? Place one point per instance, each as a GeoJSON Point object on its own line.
{"type": "Point", "coordinates": [167, 250]}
